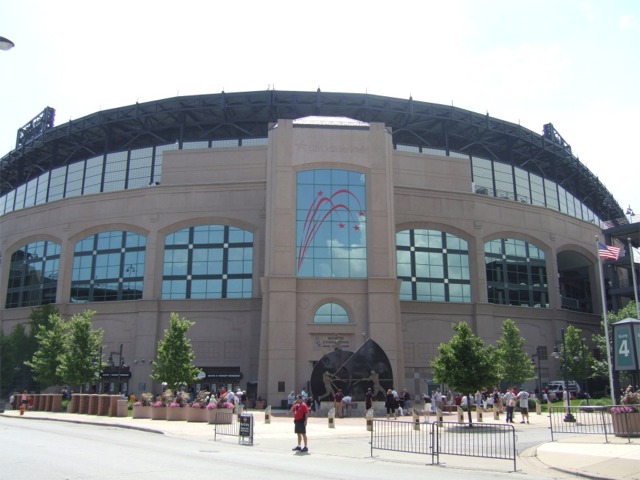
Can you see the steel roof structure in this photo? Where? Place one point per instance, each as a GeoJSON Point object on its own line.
{"type": "Point", "coordinates": [248, 115]}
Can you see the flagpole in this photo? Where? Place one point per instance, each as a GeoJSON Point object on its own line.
{"type": "Point", "coordinates": [633, 275]}
{"type": "Point", "coordinates": [606, 324]}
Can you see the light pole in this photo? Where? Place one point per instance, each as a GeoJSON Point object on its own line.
{"type": "Point", "coordinates": [585, 371]}
{"type": "Point", "coordinates": [537, 356]}
{"type": "Point", "coordinates": [568, 416]}
{"type": "Point", "coordinates": [120, 365]}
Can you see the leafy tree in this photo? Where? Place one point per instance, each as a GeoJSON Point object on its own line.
{"type": "Point", "coordinates": [23, 345]}
{"type": "Point", "coordinates": [174, 364]}
{"type": "Point", "coordinates": [51, 339]}
{"type": "Point", "coordinates": [465, 363]}
{"type": "Point", "coordinates": [514, 362]}
{"type": "Point", "coordinates": [7, 363]}
{"type": "Point", "coordinates": [77, 363]}
{"type": "Point", "coordinates": [579, 360]}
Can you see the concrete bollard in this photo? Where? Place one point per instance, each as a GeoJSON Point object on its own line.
{"type": "Point", "coordinates": [479, 414]}
{"type": "Point", "coordinates": [416, 421]}
{"type": "Point", "coordinates": [439, 417]}
{"type": "Point", "coordinates": [369, 418]}
{"type": "Point", "coordinates": [538, 408]}
{"type": "Point", "coordinates": [332, 418]}
{"type": "Point", "coordinates": [460, 414]}
{"type": "Point", "coordinates": [267, 414]}
{"type": "Point", "coordinates": [496, 412]}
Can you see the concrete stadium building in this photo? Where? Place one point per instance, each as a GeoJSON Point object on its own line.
{"type": "Point", "coordinates": [294, 226]}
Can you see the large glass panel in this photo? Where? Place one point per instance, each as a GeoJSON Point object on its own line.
{"type": "Point", "coordinates": [551, 194]}
{"type": "Point", "coordinates": [208, 261]}
{"type": "Point", "coordinates": [523, 191]}
{"type": "Point", "coordinates": [33, 275]}
{"type": "Point", "coordinates": [482, 176]}
{"type": "Point", "coordinates": [75, 175]}
{"type": "Point", "coordinates": [115, 171]}
{"type": "Point", "coordinates": [516, 273]}
{"type": "Point", "coordinates": [331, 224]}
{"type": "Point", "coordinates": [140, 168]}
{"type": "Point", "coordinates": [93, 175]}
{"type": "Point", "coordinates": [30, 195]}
{"type": "Point", "coordinates": [43, 187]}
{"type": "Point", "coordinates": [504, 180]}
{"type": "Point", "coordinates": [56, 184]}
{"type": "Point", "coordinates": [108, 266]}
{"type": "Point", "coordinates": [19, 200]}
{"type": "Point", "coordinates": [562, 196]}
{"type": "Point", "coordinates": [537, 190]}
{"type": "Point", "coordinates": [433, 266]}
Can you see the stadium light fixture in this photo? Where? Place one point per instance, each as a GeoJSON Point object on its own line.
{"type": "Point", "coordinates": [6, 44]}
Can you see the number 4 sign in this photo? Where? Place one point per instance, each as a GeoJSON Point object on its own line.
{"type": "Point", "coordinates": [626, 344]}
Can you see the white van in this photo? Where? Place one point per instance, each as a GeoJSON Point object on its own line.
{"type": "Point", "coordinates": [557, 387]}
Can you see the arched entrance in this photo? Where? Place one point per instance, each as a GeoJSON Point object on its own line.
{"type": "Point", "coordinates": [353, 373]}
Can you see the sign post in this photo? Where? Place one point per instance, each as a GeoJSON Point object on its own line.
{"type": "Point", "coordinates": [245, 430]}
{"type": "Point", "coordinates": [626, 345]}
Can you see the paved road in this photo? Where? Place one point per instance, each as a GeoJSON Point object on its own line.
{"type": "Point", "coordinates": [66, 451]}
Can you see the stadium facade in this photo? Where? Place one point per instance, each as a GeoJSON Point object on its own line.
{"type": "Point", "coordinates": [297, 229]}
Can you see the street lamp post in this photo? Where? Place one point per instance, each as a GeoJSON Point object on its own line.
{"type": "Point", "coordinates": [120, 365]}
{"type": "Point", "coordinates": [568, 416]}
{"type": "Point", "coordinates": [537, 356]}
{"type": "Point", "coordinates": [585, 371]}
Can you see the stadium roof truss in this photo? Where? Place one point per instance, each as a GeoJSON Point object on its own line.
{"type": "Point", "coordinates": [249, 114]}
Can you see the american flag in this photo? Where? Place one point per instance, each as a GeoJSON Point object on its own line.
{"type": "Point", "coordinates": [607, 251]}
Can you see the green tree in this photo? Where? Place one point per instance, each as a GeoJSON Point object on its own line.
{"type": "Point", "coordinates": [78, 361]}
{"type": "Point", "coordinates": [7, 364]}
{"type": "Point", "coordinates": [579, 361]}
{"type": "Point", "coordinates": [465, 364]}
{"type": "Point", "coordinates": [51, 340]}
{"type": "Point", "coordinates": [24, 345]}
{"type": "Point", "coordinates": [174, 364]}
{"type": "Point", "coordinates": [514, 362]}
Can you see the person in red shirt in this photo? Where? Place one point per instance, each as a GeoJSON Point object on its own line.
{"type": "Point", "coordinates": [300, 414]}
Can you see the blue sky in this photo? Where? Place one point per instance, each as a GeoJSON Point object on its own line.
{"type": "Point", "coordinates": [573, 63]}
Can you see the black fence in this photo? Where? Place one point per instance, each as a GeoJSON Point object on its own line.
{"type": "Point", "coordinates": [618, 420]}
{"type": "Point", "coordinates": [484, 440]}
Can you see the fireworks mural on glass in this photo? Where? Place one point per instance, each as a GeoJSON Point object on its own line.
{"type": "Point", "coordinates": [330, 208]}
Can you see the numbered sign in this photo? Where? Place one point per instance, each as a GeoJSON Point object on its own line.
{"type": "Point", "coordinates": [626, 344]}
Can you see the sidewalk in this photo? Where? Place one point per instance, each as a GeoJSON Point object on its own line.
{"type": "Point", "coordinates": [585, 455]}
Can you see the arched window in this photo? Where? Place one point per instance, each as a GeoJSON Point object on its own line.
{"type": "Point", "coordinates": [33, 275]}
{"type": "Point", "coordinates": [516, 273]}
{"type": "Point", "coordinates": [331, 239]}
{"type": "Point", "coordinates": [331, 313]}
{"type": "Point", "coordinates": [208, 261]}
{"type": "Point", "coordinates": [108, 266]}
{"type": "Point", "coordinates": [433, 266]}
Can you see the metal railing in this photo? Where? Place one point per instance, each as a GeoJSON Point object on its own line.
{"type": "Point", "coordinates": [619, 420]}
{"type": "Point", "coordinates": [228, 424]}
{"type": "Point", "coordinates": [485, 440]}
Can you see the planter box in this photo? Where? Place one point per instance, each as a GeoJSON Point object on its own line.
{"type": "Point", "coordinates": [142, 411]}
{"type": "Point", "coordinates": [220, 415]}
{"type": "Point", "coordinates": [177, 413]}
{"type": "Point", "coordinates": [159, 413]}
{"type": "Point", "coordinates": [197, 414]}
{"type": "Point", "coordinates": [626, 424]}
